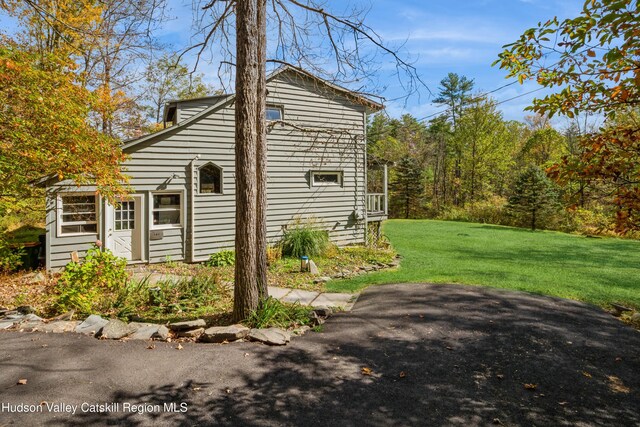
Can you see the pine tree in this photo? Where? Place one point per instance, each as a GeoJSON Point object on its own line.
{"type": "Point", "coordinates": [407, 185]}
{"type": "Point", "coordinates": [534, 199]}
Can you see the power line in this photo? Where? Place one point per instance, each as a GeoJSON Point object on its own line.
{"type": "Point", "coordinates": [479, 97]}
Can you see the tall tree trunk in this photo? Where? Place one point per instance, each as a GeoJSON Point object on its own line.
{"type": "Point", "coordinates": [261, 153]}
{"type": "Point", "coordinates": [246, 290]}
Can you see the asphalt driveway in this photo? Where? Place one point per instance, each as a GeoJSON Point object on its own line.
{"type": "Point", "coordinates": [405, 355]}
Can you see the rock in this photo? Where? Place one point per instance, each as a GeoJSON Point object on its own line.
{"type": "Point", "coordinates": [116, 329]}
{"type": "Point", "coordinates": [193, 333]}
{"type": "Point", "coordinates": [92, 325]}
{"type": "Point", "coordinates": [25, 309]}
{"type": "Point", "coordinates": [15, 317]}
{"type": "Point", "coordinates": [29, 326]}
{"type": "Point", "coordinates": [301, 330]}
{"type": "Point", "coordinates": [66, 316]}
{"type": "Point", "coordinates": [316, 319]}
{"type": "Point", "coordinates": [323, 311]}
{"type": "Point", "coordinates": [185, 326]}
{"type": "Point", "coordinates": [219, 334]}
{"type": "Point", "coordinates": [37, 278]}
{"type": "Point", "coordinates": [5, 325]}
{"type": "Point", "coordinates": [323, 279]}
{"type": "Point", "coordinates": [145, 332]}
{"type": "Point", "coordinates": [162, 333]}
{"type": "Point", "coordinates": [635, 318]}
{"type": "Point", "coordinates": [59, 327]}
{"type": "Point", "coordinates": [313, 268]}
{"type": "Point", "coordinates": [32, 318]}
{"type": "Point", "coordinates": [271, 336]}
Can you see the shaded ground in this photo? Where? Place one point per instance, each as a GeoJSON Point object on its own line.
{"type": "Point", "coordinates": [438, 355]}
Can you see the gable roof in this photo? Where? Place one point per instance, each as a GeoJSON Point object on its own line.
{"type": "Point", "coordinates": [223, 99]}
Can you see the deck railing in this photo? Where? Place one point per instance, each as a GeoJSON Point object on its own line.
{"type": "Point", "coordinates": [376, 204]}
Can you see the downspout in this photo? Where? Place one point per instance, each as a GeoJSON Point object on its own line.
{"type": "Point", "coordinates": [366, 181]}
{"type": "Point", "coordinates": [192, 203]}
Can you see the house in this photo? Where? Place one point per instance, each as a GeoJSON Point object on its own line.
{"type": "Point", "coordinates": [183, 205]}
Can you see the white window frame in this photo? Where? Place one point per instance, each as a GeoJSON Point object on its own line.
{"type": "Point", "coordinates": [274, 107]}
{"type": "Point", "coordinates": [221, 180]}
{"type": "Point", "coordinates": [314, 173]}
{"type": "Point", "coordinates": [152, 226]}
{"type": "Point", "coordinates": [59, 209]}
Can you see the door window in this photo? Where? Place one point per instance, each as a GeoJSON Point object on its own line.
{"type": "Point", "coordinates": [125, 216]}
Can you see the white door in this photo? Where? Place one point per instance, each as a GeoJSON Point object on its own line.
{"type": "Point", "coordinates": [126, 236]}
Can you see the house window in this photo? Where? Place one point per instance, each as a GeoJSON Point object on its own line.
{"type": "Point", "coordinates": [326, 178]}
{"type": "Point", "coordinates": [78, 214]}
{"type": "Point", "coordinates": [274, 113]}
{"type": "Point", "coordinates": [167, 210]}
{"type": "Point", "coordinates": [210, 179]}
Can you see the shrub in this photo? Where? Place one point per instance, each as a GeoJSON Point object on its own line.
{"type": "Point", "coordinates": [279, 314]}
{"type": "Point", "coordinates": [303, 239]}
{"type": "Point", "coordinates": [188, 294]}
{"type": "Point", "coordinates": [221, 259]}
{"type": "Point", "coordinates": [274, 254]}
{"type": "Point", "coordinates": [10, 258]}
{"type": "Point", "coordinates": [93, 284]}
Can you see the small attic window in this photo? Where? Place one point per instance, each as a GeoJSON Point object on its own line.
{"type": "Point", "coordinates": [210, 179]}
{"type": "Point", "coordinates": [274, 113]}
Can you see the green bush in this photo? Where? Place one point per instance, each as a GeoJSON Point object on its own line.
{"type": "Point", "coordinates": [92, 285]}
{"type": "Point", "coordinates": [10, 258]}
{"type": "Point", "coordinates": [221, 259]}
{"type": "Point", "coordinates": [303, 239]}
{"type": "Point", "coordinates": [279, 314]}
{"type": "Point", "coordinates": [188, 294]}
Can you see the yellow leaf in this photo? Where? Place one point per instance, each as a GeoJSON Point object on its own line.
{"type": "Point", "coordinates": [366, 371]}
{"type": "Point", "coordinates": [530, 386]}
{"type": "Point", "coordinates": [586, 374]}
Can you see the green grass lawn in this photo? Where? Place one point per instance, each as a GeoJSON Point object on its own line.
{"type": "Point", "coordinates": [594, 270]}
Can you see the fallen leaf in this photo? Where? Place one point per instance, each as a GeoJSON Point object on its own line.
{"type": "Point", "coordinates": [616, 385]}
{"type": "Point", "coordinates": [403, 374]}
{"type": "Point", "coordinates": [366, 371]}
{"type": "Point", "coordinates": [449, 348]}
{"type": "Point", "coordinates": [500, 376]}
{"type": "Point", "coordinates": [179, 347]}
{"type": "Point", "coordinates": [586, 374]}
{"type": "Point", "coordinates": [562, 403]}
{"type": "Point", "coordinates": [246, 355]}
{"type": "Point", "coordinates": [530, 386]}
{"type": "Point", "coordinates": [497, 421]}
{"type": "Point", "coordinates": [151, 346]}
{"type": "Point", "coordinates": [618, 359]}
{"type": "Point", "coordinates": [196, 388]}
{"type": "Point", "coordinates": [228, 390]}
{"type": "Point", "coordinates": [22, 381]}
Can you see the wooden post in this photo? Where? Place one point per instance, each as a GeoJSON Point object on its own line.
{"type": "Point", "coordinates": [386, 195]}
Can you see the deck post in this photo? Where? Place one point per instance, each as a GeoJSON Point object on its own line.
{"type": "Point", "coordinates": [386, 195]}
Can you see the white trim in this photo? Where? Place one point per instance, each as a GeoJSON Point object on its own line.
{"type": "Point", "coordinates": [313, 182]}
{"type": "Point", "coordinates": [200, 193]}
{"type": "Point", "coordinates": [59, 212]}
{"type": "Point", "coordinates": [152, 226]}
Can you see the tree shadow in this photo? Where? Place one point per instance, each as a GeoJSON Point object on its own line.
{"type": "Point", "coordinates": [434, 355]}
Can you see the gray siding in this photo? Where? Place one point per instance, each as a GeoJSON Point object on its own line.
{"type": "Point", "coordinates": [164, 164]}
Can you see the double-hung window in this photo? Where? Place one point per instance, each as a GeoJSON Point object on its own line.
{"type": "Point", "coordinates": [167, 210]}
{"type": "Point", "coordinates": [77, 214]}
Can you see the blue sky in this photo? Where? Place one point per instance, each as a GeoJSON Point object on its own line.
{"type": "Point", "coordinates": [440, 36]}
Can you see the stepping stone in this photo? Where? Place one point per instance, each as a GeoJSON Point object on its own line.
{"type": "Point", "coordinates": [278, 293]}
{"type": "Point", "coordinates": [303, 297]}
{"type": "Point", "coordinates": [59, 326]}
{"type": "Point", "coordinates": [92, 325]}
{"type": "Point", "coordinates": [189, 324]}
{"type": "Point", "coordinates": [116, 329]}
{"type": "Point", "coordinates": [334, 300]}
{"type": "Point", "coordinates": [271, 336]}
{"type": "Point", "coordinates": [218, 334]}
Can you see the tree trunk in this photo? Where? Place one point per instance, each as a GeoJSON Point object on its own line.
{"type": "Point", "coordinates": [533, 219]}
{"type": "Point", "coordinates": [245, 289]}
{"type": "Point", "coordinates": [261, 153]}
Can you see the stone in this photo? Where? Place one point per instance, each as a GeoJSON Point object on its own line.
{"type": "Point", "coordinates": [30, 326]}
{"type": "Point", "coordinates": [315, 319]}
{"type": "Point", "coordinates": [145, 332]}
{"type": "Point", "coordinates": [192, 333]}
{"type": "Point", "coordinates": [92, 325]}
{"type": "Point", "coordinates": [37, 278]}
{"type": "Point", "coordinates": [323, 279]}
{"type": "Point", "coordinates": [301, 330]}
{"type": "Point", "coordinates": [32, 318]}
{"type": "Point", "coordinates": [25, 309]}
{"type": "Point", "coordinates": [59, 326]}
{"type": "Point", "coordinates": [66, 316]}
{"type": "Point", "coordinates": [323, 311]}
{"type": "Point", "coordinates": [219, 334]}
{"type": "Point", "coordinates": [162, 333]}
{"type": "Point", "coordinates": [313, 268]}
{"type": "Point", "coordinates": [116, 329]}
{"type": "Point", "coordinates": [270, 336]}
{"type": "Point", "coordinates": [635, 318]}
{"type": "Point", "coordinates": [185, 326]}
{"type": "Point", "coordinates": [5, 325]}
{"type": "Point", "coordinates": [15, 317]}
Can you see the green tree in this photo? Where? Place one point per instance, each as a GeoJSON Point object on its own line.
{"type": "Point", "coordinates": [594, 58]}
{"type": "Point", "coordinates": [168, 79]}
{"type": "Point", "coordinates": [406, 187]}
{"type": "Point", "coordinates": [534, 198]}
